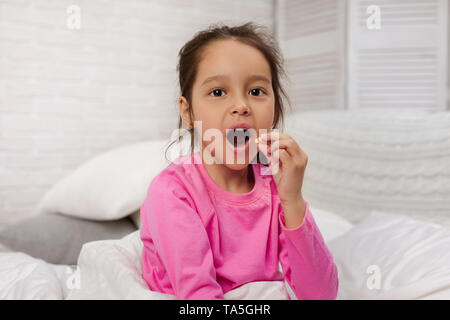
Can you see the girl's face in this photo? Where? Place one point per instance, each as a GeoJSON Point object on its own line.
{"type": "Point", "coordinates": [233, 87]}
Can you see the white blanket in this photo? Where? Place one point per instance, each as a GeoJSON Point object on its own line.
{"type": "Point", "coordinates": [111, 269]}
{"type": "Point", "coordinates": [24, 277]}
{"type": "Point", "coordinates": [108, 269]}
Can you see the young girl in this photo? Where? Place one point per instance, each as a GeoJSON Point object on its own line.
{"type": "Point", "coordinates": [209, 227]}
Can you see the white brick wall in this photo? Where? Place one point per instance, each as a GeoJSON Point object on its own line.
{"type": "Point", "coordinates": [67, 95]}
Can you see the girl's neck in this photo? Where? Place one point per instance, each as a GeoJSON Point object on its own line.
{"type": "Point", "coordinates": [235, 181]}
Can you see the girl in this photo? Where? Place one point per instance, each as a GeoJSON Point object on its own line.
{"type": "Point", "coordinates": [209, 227]}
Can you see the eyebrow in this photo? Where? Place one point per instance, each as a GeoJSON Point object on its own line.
{"type": "Point", "coordinates": [225, 77]}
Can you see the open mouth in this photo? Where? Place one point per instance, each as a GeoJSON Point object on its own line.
{"type": "Point", "coordinates": [238, 136]}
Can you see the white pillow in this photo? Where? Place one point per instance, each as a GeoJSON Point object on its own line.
{"type": "Point", "coordinates": [109, 186]}
{"type": "Point", "coordinates": [331, 225]}
{"type": "Point", "coordinates": [391, 256]}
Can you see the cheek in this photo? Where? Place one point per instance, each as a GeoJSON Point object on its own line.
{"type": "Point", "coordinates": [272, 113]}
{"type": "Point", "coordinates": [265, 118]}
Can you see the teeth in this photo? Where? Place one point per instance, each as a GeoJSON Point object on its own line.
{"type": "Point", "coordinates": [238, 136]}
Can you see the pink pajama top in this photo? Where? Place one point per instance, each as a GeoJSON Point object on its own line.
{"type": "Point", "coordinates": [201, 241]}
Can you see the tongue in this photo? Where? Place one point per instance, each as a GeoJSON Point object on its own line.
{"type": "Point", "coordinates": [237, 138]}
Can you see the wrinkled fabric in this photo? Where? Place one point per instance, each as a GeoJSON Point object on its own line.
{"type": "Point", "coordinates": [201, 241]}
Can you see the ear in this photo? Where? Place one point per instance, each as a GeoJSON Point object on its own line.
{"type": "Point", "coordinates": [184, 112]}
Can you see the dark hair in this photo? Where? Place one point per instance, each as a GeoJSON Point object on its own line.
{"type": "Point", "coordinates": [249, 33]}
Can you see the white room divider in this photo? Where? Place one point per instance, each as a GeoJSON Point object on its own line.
{"type": "Point", "coordinates": [403, 63]}
{"type": "Point", "coordinates": [312, 35]}
{"type": "Point", "coordinates": [365, 53]}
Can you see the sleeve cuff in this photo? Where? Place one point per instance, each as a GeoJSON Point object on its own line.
{"type": "Point", "coordinates": [301, 226]}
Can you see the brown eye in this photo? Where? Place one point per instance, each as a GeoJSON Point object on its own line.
{"type": "Point", "coordinates": [218, 91]}
{"type": "Point", "coordinates": [257, 90]}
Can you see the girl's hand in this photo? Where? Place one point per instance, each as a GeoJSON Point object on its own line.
{"type": "Point", "coordinates": [288, 163]}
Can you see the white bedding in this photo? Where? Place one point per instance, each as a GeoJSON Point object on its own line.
{"type": "Point", "coordinates": [106, 270]}
{"type": "Point", "coordinates": [390, 256]}
{"type": "Point", "coordinates": [386, 256]}
{"type": "Point", "coordinates": [111, 270]}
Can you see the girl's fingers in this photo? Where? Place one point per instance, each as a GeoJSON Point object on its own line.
{"type": "Point", "coordinates": [274, 142]}
{"type": "Point", "coordinates": [277, 145]}
{"type": "Point", "coordinates": [267, 137]}
{"type": "Point", "coordinates": [273, 135]}
{"type": "Point", "coordinates": [279, 157]}
{"type": "Point", "coordinates": [286, 159]}
{"type": "Point", "coordinates": [282, 142]}
{"type": "Point", "coordinates": [280, 161]}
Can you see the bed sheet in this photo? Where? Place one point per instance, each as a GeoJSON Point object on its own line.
{"type": "Point", "coordinates": [110, 269]}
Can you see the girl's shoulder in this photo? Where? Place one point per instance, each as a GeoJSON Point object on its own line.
{"type": "Point", "coordinates": [182, 180]}
{"type": "Point", "coordinates": [179, 171]}
{"type": "Point", "coordinates": [182, 173]}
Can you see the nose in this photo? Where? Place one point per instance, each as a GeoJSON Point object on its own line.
{"type": "Point", "coordinates": [241, 110]}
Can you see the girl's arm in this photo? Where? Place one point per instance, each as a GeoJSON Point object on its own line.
{"type": "Point", "coordinates": [181, 241]}
{"type": "Point", "coordinates": [306, 261]}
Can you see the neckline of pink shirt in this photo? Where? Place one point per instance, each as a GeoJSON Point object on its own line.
{"type": "Point", "coordinates": [231, 197]}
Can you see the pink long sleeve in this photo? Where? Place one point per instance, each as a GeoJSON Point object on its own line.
{"type": "Point", "coordinates": [201, 241]}
{"type": "Point", "coordinates": [306, 261]}
{"type": "Point", "coordinates": [179, 237]}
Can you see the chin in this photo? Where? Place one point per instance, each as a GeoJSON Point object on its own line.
{"type": "Point", "coordinates": [233, 161]}
{"type": "Point", "coordinates": [236, 167]}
